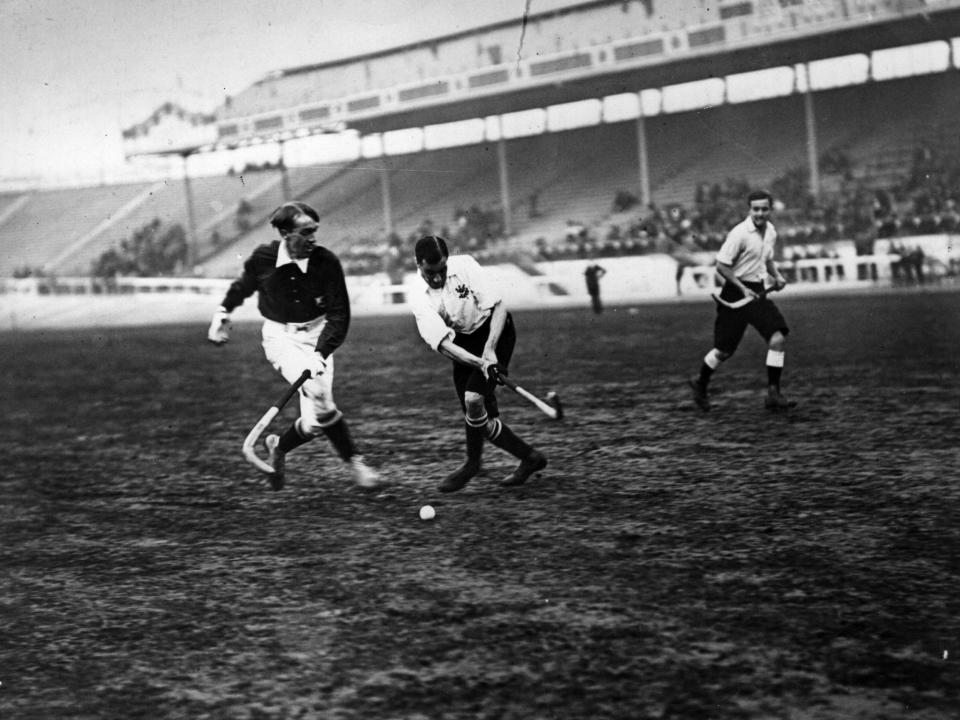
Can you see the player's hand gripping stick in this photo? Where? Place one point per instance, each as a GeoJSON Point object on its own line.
{"type": "Point", "coordinates": [250, 442]}
{"type": "Point", "coordinates": [550, 407]}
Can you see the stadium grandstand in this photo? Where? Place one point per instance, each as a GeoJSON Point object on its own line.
{"type": "Point", "coordinates": [614, 128]}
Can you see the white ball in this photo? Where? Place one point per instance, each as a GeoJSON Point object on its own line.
{"type": "Point", "coordinates": [427, 512]}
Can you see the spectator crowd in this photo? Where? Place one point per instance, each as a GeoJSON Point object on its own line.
{"type": "Point", "coordinates": [922, 200]}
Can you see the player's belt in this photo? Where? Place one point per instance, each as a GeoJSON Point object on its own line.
{"type": "Point", "coordinates": [300, 327]}
{"type": "Point", "coordinates": [307, 326]}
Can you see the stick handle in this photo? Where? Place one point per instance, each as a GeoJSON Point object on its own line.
{"type": "Point", "coordinates": [507, 381]}
{"type": "Point", "coordinates": [292, 390]}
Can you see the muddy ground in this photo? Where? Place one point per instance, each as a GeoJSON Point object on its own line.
{"type": "Point", "coordinates": [667, 564]}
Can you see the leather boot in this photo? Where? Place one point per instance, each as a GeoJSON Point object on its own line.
{"type": "Point", "coordinates": [469, 470]}
{"type": "Point", "coordinates": [531, 461]}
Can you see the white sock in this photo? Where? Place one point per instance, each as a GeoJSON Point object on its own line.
{"type": "Point", "coordinates": [713, 359]}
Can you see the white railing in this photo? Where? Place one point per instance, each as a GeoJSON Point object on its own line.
{"type": "Point", "coordinates": [116, 286]}
{"type": "Point", "coordinates": [561, 282]}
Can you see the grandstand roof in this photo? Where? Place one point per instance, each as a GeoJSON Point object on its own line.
{"type": "Point", "coordinates": [845, 39]}
{"type": "Point", "coordinates": [300, 69]}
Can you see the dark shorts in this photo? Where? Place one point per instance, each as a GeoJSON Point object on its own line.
{"type": "Point", "coordinates": [730, 325]}
{"type": "Point", "coordinates": [467, 377]}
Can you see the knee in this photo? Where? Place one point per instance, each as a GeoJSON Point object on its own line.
{"type": "Point", "coordinates": [474, 404]}
{"type": "Point", "coordinates": [778, 342]}
{"type": "Point", "coordinates": [313, 425]}
{"type": "Point", "coordinates": [314, 390]}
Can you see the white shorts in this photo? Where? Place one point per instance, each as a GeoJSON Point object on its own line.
{"type": "Point", "coordinates": [290, 348]}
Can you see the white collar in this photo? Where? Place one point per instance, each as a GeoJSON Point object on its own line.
{"type": "Point", "coordinates": [283, 257]}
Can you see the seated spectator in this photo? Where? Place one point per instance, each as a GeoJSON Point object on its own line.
{"type": "Point", "coordinates": [575, 230]}
{"type": "Point", "coordinates": [623, 201]}
{"type": "Point", "coordinates": [548, 251]}
{"type": "Point", "coordinates": [533, 201]}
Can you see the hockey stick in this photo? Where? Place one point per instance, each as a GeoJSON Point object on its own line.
{"type": "Point", "coordinates": [550, 407]}
{"type": "Point", "coordinates": [744, 301]}
{"type": "Point", "coordinates": [249, 451]}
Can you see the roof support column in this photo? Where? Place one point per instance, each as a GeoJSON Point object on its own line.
{"type": "Point", "coordinates": [643, 162]}
{"type": "Point", "coordinates": [193, 249]}
{"type": "Point", "coordinates": [284, 176]}
{"type": "Point", "coordinates": [812, 153]}
{"type": "Point", "coordinates": [504, 183]}
{"type": "Point", "coordinates": [386, 200]}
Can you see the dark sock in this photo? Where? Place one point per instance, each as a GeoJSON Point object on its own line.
{"type": "Point", "coordinates": [705, 372]}
{"type": "Point", "coordinates": [773, 377]}
{"type": "Point", "coordinates": [292, 439]}
{"type": "Point", "coordinates": [506, 440]}
{"type": "Point", "coordinates": [339, 436]}
{"type": "Point", "coordinates": [474, 442]}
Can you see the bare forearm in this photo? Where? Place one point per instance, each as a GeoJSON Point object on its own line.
{"type": "Point", "coordinates": [774, 272]}
{"type": "Point", "coordinates": [497, 321]}
{"type": "Point", "coordinates": [455, 352]}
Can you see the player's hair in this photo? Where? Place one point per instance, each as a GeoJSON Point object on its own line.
{"type": "Point", "coordinates": [431, 249]}
{"type": "Point", "coordinates": [759, 195]}
{"type": "Point", "coordinates": [285, 216]}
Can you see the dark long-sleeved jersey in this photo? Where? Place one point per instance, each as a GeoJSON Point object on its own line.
{"type": "Point", "coordinates": [288, 295]}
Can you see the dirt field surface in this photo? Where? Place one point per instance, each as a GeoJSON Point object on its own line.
{"type": "Point", "coordinates": [667, 564]}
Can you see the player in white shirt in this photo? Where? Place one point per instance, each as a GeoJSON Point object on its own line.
{"type": "Point", "coordinates": [744, 261]}
{"type": "Point", "coordinates": [461, 315]}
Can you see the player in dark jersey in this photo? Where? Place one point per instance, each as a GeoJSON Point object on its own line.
{"type": "Point", "coordinates": [302, 296]}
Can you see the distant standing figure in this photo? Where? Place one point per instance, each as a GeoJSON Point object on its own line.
{"type": "Point", "coordinates": [682, 251]}
{"type": "Point", "coordinates": [744, 261]}
{"type": "Point", "coordinates": [916, 259]}
{"type": "Point", "coordinates": [593, 273]}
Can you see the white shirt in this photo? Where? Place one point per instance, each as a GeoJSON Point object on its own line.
{"type": "Point", "coordinates": [747, 251]}
{"type": "Point", "coordinates": [462, 305]}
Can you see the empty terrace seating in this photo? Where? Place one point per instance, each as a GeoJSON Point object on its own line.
{"type": "Point", "coordinates": [321, 185]}
{"type": "Point", "coordinates": [52, 221]}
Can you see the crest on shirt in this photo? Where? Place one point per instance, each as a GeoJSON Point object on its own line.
{"type": "Point", "coordinates": [462, 291]}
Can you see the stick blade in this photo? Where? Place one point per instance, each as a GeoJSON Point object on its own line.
{"type": "Point", "coordinates": [250, 442]}
{"type": "Point", "coordinates": [250, 453]}
{"type": "Point", "coordinates": [554, 400]}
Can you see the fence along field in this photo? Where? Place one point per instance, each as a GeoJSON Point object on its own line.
{"type": "Point", "coordinates": [667, 564]}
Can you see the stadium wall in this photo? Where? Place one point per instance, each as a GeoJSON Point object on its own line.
{"type": "Point", "coordinates": [38, 303]}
